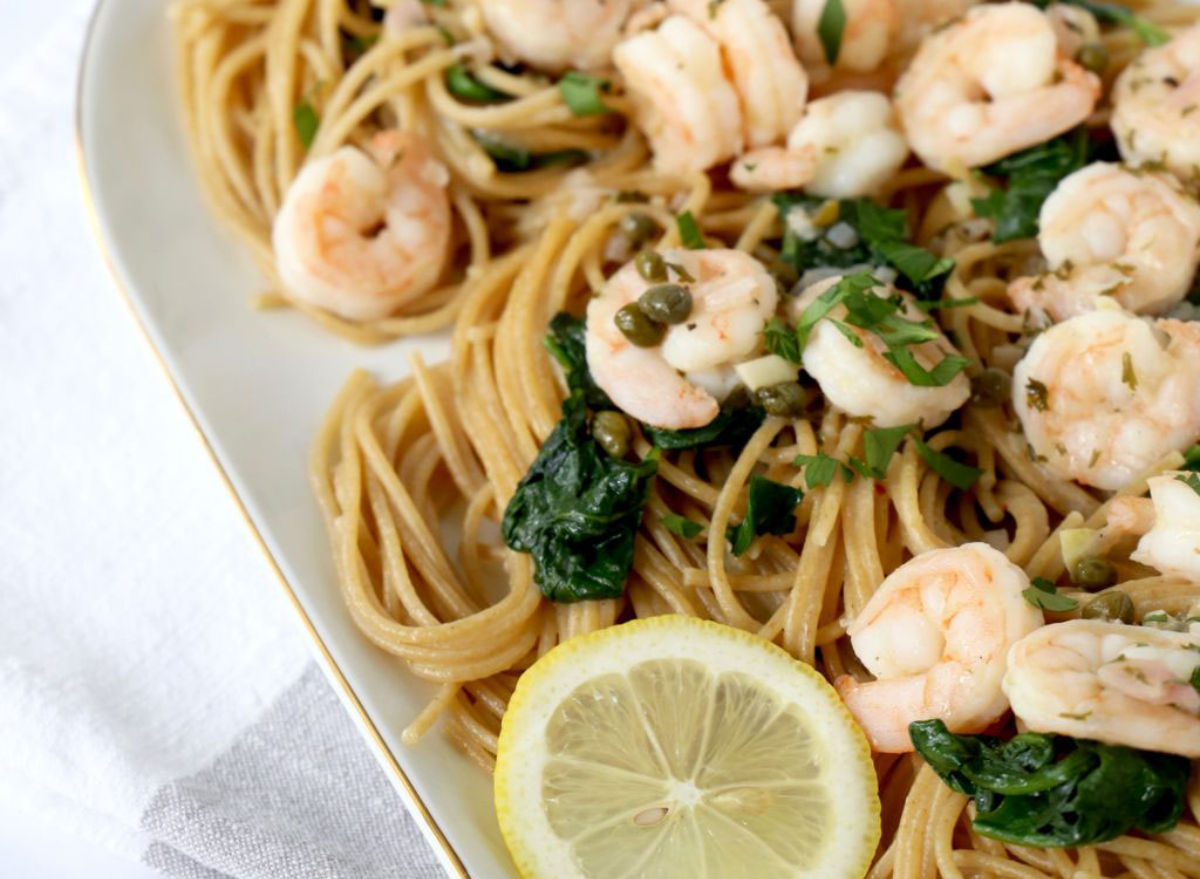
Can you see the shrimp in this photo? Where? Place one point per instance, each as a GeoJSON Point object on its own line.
{"type": "Point", "coordinates": [860, 382]}
{"type": "Point", "coordinates": [1107, 231]}
{"type": "Point", "coordinates": [1156, 107]}
{"type": "Point", "coordinates": [989, 85]}
{"type": "Point", "coordinates": [1104, 395]}
{"type": "Point", "coordinates": [935, 635]}
{"type": "Point", "coordinates": [558, 34]}
{"type": "Point", "coordinates": [1169, 521]}
{"type": "Point", "coordinates": [733, 297]}
{"type": "Point", "coordinates": [846, 145]}
{"type": "Point", "coordinates": [771, 84]}
{"type": "Point", "coordinates": [364, 231]}
{"type": "Point", "coordinates": [1120, 684]}
{"type": "Point", "coordinates": [682, 100]}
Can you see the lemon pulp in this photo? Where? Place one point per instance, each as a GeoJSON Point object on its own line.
{"type": "Point", "coordinates": [673, 747]}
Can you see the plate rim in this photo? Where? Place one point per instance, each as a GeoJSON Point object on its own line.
{"type": "Point", "coordinates": [349, 698]}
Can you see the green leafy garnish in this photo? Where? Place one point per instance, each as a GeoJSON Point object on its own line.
{"type": "Point", "coordinates": [943, 372]}
{"type": "Point", "coordinates": [1044, 595]}
{"type": "Point", "coordinates": [689, 231]}
{"type": "Point", "coordinates": [1191, 458]}
{"type": "Point", "coordinates": [781, 341]}
{"type": "Point", "coordinates": [306, 120]}
{"type": "Point", "coordinates": [577, 511]}
{"type": "Point", "coordinates": [510, 157]}
{"type": "Point", "coordinates": [731, 427]}
{"type": "Point", "coordinates": [820, 469]}
{"type": "Point", "coordinates": [1114, 13]}
{"type": "Point", "coordinates": [770, 509]}
{"type": "Point", "coordinates": [830, 27]}
{"type": "Point", "coordinates": [1054, 791]}
{"type": "Point", "coordinates": [565, 342]}
{"type": "Point", "coordinates": [583, 94]}
{"type": "Point", "coordinates": [1195, 679]}
{"type": "Point", "coordinates": [1128, 376]}
{"type": "Point", "coordinates": [461, 84]}
{"type": "Point", "coordinates": [1192, 481]}
{"type": "Point", "coordinates": [681, 527]}
{"type": "Point", "coordinates": [879, 445]}
{"type": "Point", "coordinates": [882, 240]}
{"type": "Point", "coordinates": [1031, 176]}
{"type": "Point", "coordinates": [829, 300]}
{"type": "Point", "coordinates": [961, 476]}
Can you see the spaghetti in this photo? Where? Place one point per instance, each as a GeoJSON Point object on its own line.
{"type": "Point", "coordinates": [413, 478]}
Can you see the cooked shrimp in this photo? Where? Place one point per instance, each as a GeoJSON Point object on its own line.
{"type": "Point", "coordinates": [1106, 231]}
{"type": "Point", "coordinates": [860, 382]}
{"type": "Point", "coordinates": [682, 100]}
{"type": "Point", "coordinates": [733, 297]}
{"type": "Point", "coordinates": [870, 28]}
{"type": "Point", "coordinates": [989, 85]}
{"type": "Point", "coordinates": [1170, 522]}
{"type": "Point", "coordinates": [1124, 685]}
{"type": "Point", "coordinates": [557, 34]}
{"type": "Point", "coordinates": [770, 82]}
{"type": "Point", "coordinates": [935, 635]}
{"type": "Point", "coordinates": [1156, 106]}
{"type": "Point", "coordinates": [846, 145]}
{"type": "Point", "coordinates": [1104, 395]}
{"type": "Point", "coordinates": [362, 232]}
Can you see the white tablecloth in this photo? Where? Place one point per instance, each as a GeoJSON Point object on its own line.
{"type": "Point", "coordinates": [156, 694]}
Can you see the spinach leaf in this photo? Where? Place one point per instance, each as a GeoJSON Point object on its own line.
{"type": "Point", "coordinates": [1114, 13]}
{"type": "Point", "coordinates": [770, 509]}
{"type": "Point", "coordinates": [577, 512]}
{"type": "Point", "coordinates": [732, 427]}
{"type": "Point", "coordinates": [682, 526]}
{"type": "Point", "coordinates": [1031, 176]}
{"type": "Point", "coordinates": [1054, 791]}
{"type": "Point", "coordinates": [566, 344]}
{"type": "Point", "coordinates": [582, 93]}
{"type": "Point", "coordinates": [882, 240]}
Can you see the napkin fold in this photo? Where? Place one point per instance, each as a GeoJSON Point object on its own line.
{"type": "Point", "coordinates": [156, 692]}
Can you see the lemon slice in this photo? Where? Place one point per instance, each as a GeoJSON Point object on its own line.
{"type": "Point", "coordinates": [674, 747]}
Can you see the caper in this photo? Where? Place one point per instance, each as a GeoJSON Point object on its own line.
{"type": "Point", "coordinates": [786, 400]}
{"type": "Point", "coordinates": [638, 228]}
{"type": "Point", "coordinates": [991, 388]}
{"type": "Point", "coordinates": [611, 430]}
{"type": "Point", "coordinates": [1092, 573]}
{"type": "Point", "coordinates": [1114, 605]}
{"type": "Point", "coordinates": [1093, 57]}
{"type": "Point", "coordinates": [651, 266]}
{"type": "Point", "coordinates": [638, 328]}
{"type": "Point", "coordinates": [666, 303]}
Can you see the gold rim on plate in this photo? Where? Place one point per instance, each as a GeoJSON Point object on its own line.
{"type": "Point", "coordinates": [333, 672]}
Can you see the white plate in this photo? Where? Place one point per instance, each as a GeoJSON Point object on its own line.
{"type": "Point", "coordinates": [256, 386]}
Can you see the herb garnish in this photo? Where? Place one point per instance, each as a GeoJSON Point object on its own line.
{"type": "Point", "coordinates": [781, 341]}
{"type": "Point", "coordinates": [1114, 13]}
{"type": "Point", "coordinates": [689, 231]}
{"type": "Point", "coordinates": [582, 93]}
{"type": "Point", "coordinates": [820, 469]}
{"type": "Point", "coordinates": [1054, 791]}
{"type": "Point", "coordinates": [1192, 481]}
{"type": "Point", "coordinates": [462, 84]}
{"type": "Point", "coordinates": [1044, 595]}
{"type": "Point", "coordinates": [306, 120]}
{"type": "Point", "coordinates": [510, 157]}
{"type": "Point", "coordinates": [1037, 395]}
{"type": "Point", "coordinates": [830, 27]}
{"type": "Point", "coordinates": [961, 476]}
{"type": "Point", "coordinates": [770, 509]}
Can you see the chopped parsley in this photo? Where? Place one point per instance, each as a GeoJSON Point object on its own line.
{"type": "Point", "coordinates": [689, 231]}
{"type": "Point", "coordinates": [1044, 595]}
{"type": "Point", "coordinates": [820, 469]}
{"type": "Point", "coordinates": [770, 509]}
{"type": "Point", "coordinates": [583, 94]}
{"type": "Point", "coordinates": [681, 527]}
{"type": "Point", "coordinates": [961, 476]}
{"type": "Point", "coordinates": [1037, 395]}
{"type": "Point", "coordinates": [830, 27]}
